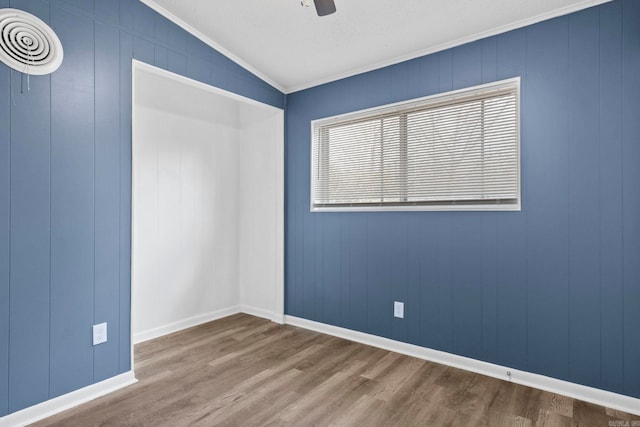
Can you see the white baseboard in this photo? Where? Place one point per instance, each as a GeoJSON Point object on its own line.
{"type": "Point", "coordinates": [184, 324]}
{"type": "Point", "coordinates": [204, 318]}
{"type": "Point", "coordinates": [278, 318]}
{"type": "Point", "coordinates": [261, 312]}
{"type": "Point", "coordinates": [553, 385]}
{"type": "Point", "coordinates": [67, 401]}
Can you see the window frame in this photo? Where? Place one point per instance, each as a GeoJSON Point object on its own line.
{"type": "Point", "coordinates": [406, 106]}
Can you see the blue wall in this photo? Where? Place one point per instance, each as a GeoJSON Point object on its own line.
{"type": "Point", "coordinates": [553, 289]}
{"type": "Point", "coordinates": [65, 190]}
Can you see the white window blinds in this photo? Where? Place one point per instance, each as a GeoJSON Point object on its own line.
{"type": "Point", "coordinates": [454, 151]}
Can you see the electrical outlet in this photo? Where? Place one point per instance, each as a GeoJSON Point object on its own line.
{"type": "Point", "coordinates": [398, 309]}
{"type": "Point", "coordinates": [99, 333]}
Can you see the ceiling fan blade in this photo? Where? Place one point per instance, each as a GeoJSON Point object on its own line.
{"type": "Point", "coordinates": [325, 7]}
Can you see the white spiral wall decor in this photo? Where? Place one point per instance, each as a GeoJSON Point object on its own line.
{"type": "Point", "coordinates": [27, 44]}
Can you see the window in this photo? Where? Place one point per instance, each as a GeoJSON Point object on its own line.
{"type": "Point", "coordinates": [454, 151]}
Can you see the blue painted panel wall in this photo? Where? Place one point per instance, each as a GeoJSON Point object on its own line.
{"type": "Point", "coordinates": [5, 244]}
{"type": "Point", "coordinates": [553, 289]}
{"type": "Point", "coordinates": [65, 190]}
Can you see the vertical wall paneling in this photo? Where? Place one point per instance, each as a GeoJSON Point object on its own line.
{"type": "Point", "coordinates": [489, 60]}
{"type": "Point", "coordinates": [427, 232]}
{"type": "Point", "coordinates": [511, 292]}
{"type": "Point", "coordinates": [198, 69]}
{"type": "Point", "coordinates": [85, 6]}
{"type": "Point", "coordinates": [306, 245]}
{"type": "Point", "coordinates": [467, 286]}
{"type": "Point", "coordinates": [428, 75]}
{"type": "Point", "coordinates": [143, 50]}
{"type": "Point", "coordinates": [444, 328]}
{"type": "Point", "coordinates": [175, 38]}
{"type": "Point", "coordinates": [218, 76]}
{"type": "Point", "coordinates": [489, 290]}
{"type": "Point", "coordinates": [379, 274]}
{"type": "Point", "coordinates": [467, 65]}
{"type": "Point", "coordinates": [290, 217]}
{"type": "Point", "coordinates": [5, 229]}
{"type": "Point", "coordinates": [610, 195]}
{"type": "Point", "coordinates": [124, 244]}
{"type": "Point", "coordinates": [510, 238]}
{"type": "Point", "coordinates": [358, 268]}
{"type": "Point", "coordinates": [549, 289]}
{"type": "Point", "coordinates": [161, 28]}
{"type": "Point", "coordinates": [331, 266]}
{"type": "Point", "coordinates": [65, 191]}
{"type": "Point", "coordinates": [161, 57]}
{"type": "Point", "coordinates": [107, 197]}
{"type": "Point", "coordinates": [197, 61]}
{"type": "Point", "coordinates": [30, 243]}
{"type": "Point", "coordinates": [399, 285]}
{"type": "Point", "coordinates": [379, 84]}
{"type": "Point", "coordinates": [428, 282]}
{"type": "Point", "coordinates": [5, 234]}
{"type": "Point", "coordinates": [345, 273]}
{"type": "Point", "coordinates": [72, 204]}
{"type": "Point", "coordinates": [413, 307]}
{"type": "Point", "coordinates": [107, 13]}
{"type": "Point", "coordinates": [136, 18]}
{"type": "Point", "coordinates": [30, 233]}
{"type": "Point", "coordinates": [584, 202]}
{"type": "Point", "coordinates": [400, 81]}
{"type": "Point", "coordinates": [300, 209]}
{"type": "Point", "coordinates": [318, 279]}
{"type": "Point", "coordinates": [308, 249]}
{"type": "Point", "coordinates": [547, 199]}
{"type": "Point", "coordinates": [467, 235]}
{"type": "Point", "coordinates": [631, 195]}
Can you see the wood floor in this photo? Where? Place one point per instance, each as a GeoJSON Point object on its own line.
{"type": "Point", "coordinates": [246, 371]}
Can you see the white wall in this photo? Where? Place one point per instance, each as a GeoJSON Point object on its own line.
{"type": "Point", "coordinates": [207, 206]}
{"type": "Point", "coordinates": [259, 234]}
{"type": "Point", "coordinates": [185, 263]}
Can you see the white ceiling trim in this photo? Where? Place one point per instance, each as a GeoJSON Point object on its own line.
{"type": "Point", "coordinates": [188, 28]}
{"type": "Point", "coordinates": [484, 34]}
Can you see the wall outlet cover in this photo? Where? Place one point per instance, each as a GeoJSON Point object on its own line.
{"type": "Point", "coordinates": [99, 333]}
{"type": "Point", "coordinates": [398, 309]}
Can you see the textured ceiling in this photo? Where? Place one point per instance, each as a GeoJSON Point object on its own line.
{"type": "Point", "coordinates": [292, 48]}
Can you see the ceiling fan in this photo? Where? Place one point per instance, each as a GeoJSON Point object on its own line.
{"type": "Point", "coordinates": [323, 7]}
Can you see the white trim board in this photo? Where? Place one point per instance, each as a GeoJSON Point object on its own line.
{"type": "Point", "coordinates": [553, 385]}
{"type": "Point", "coordinates": [184, 324]}
{"type": "Point", "coordinates": [67, 401]}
